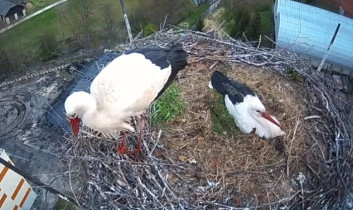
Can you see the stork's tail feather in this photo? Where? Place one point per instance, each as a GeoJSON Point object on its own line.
{"type": "Point", "coordinates": [177, 57]}
{"type": "Point", "coordinates": [217, 79]}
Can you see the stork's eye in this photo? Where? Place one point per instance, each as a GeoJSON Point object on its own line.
{"type": "Point", "coordinates": [258, 111]}
{"type": "Point", "coordinates": [71, 116]}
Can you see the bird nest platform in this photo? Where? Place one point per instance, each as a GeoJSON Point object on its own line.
{"type": "Point", "coordinates": [201, 160]}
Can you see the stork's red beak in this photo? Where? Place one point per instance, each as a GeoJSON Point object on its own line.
{"type": "Point", "coordinates": [75, 125]}
{"type": "Point", "coordinates": [268, 117]}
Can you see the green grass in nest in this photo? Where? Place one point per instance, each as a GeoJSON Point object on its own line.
{"type": "Point", "coordinates": [169, 107]}
{"type": "Point", "coordinates": [294, 75]}
{"type": "Point", "coordinates": [222, 122]}
{"type": "Point", "coordinates": [64, 205]}
{"type": "Point", "coordinates": [65, 74]}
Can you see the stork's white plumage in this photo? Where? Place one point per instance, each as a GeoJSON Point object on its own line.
{"type": "Point", "coordinates": [125, 88]}
{"type": "Point", "coordinates": [245, 107]}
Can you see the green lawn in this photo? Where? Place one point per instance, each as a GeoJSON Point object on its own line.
{"type": "Point", "coordinates": [27, 33]}
{"type": "Point", "coordinates": [27, 37]}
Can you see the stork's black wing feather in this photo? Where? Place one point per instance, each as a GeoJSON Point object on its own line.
{"type": "Point", "coordinates": [226, 86]}
{"type": "Point", "coordinates": [157, 56]}
{"type": "Point", "coordinates": [163, 57]}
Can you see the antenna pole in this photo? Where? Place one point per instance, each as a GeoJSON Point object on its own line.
{"type": "Point", "coordinates": [126, 21]}
{"type": "Point", "coordinates": [329, 47]}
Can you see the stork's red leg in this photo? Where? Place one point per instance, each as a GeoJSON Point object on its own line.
{"type": "Point", "coordinates": [141, 125]}
{"type": "Point", "coordinates": [122, 148]}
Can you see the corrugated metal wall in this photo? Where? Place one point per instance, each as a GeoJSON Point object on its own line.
{"type": "Point", "coordinates": [308, 30]}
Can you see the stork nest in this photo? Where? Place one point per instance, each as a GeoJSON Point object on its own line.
{"type": "Point", "coordinates": [189, 166]}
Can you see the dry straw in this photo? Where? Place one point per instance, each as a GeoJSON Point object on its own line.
{"type": "Point", "coordinates": [187, 165]}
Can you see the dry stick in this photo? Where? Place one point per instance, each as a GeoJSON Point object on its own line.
{"type": "Point", "coordinates": [291, 143]}
{"type": "Point", "coordinates": [158, 172]}
{"type": "Point", "coordinates": [155, 167]}
{"type": "Point", "coordinates": [258, 45]}
{"type": "Point", "coordinates": [281, 200]}
{"type": "Point", "coordinates": [157, 141]}
{"type": "Point", "coordinates": [161, 27]}
{"type": "Point", "coordinates": [312, 117]}
{"type": "Point", "coordinates": [130, 162]}
{"type": "Point", "coordinates": [302, 192]}
{"type": "Point", "coordinates": [137, 36]}
{"type": "Point", "coordinates": [99, 189]}
{"type": "Point", "coordinates": [72, 190]}
{"type": "Point", "coordinates": [222, 205]}
{"type": "Point", "coordinates": [148, 191]}
{"type": "Point", "coordinates": [317, 143]}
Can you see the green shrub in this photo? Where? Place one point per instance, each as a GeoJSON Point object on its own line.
{"type": "Point", "coordinates": [294, 75]}
{"type": "Point", "coordinates": [252, 18]}
{"type": "Point", "coordinates": [49, 47]}
{"type": "Point", "coordinates": [150, 29]}
{"type": "Point", "coordinates": [199, 24]}
{"type": "Point", "coordinates": [254, 29]}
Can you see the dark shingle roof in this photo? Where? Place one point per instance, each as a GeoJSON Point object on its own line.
{"type": "Point", "coordinates": [6, 5]}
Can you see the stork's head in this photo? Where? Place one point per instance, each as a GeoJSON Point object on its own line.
{"type": "Point", "coordinates": [269, 125]}
{"type": "Point", "coordinates": [76, 105]}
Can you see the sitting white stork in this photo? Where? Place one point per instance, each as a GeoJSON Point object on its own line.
{"type": "Point", "coordinates": [124, 88]}
{"type": "Point", "coordinates": [245, 107]}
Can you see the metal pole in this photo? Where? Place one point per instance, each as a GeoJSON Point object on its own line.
{"type": "Point", "coordinates": [329, 47]}
{"type": "Point", "coordinates": [126, 21]}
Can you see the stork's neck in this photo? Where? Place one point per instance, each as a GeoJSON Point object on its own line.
{"type": "Point", "coordinates": [103, 121]}
{"type": "Point", "coordinates": [88, 110]}
{"type": "Point", "coordinates": [94, 119]}
{"type": "Point", "coordinates": [266, 128]}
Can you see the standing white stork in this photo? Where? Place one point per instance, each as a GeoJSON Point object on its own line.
{"type": "Point", "coordinates": [245, 107]}
{"type": "Point", "coordinates": [124, 88]}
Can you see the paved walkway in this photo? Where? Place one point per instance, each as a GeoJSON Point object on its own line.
{"type": "Point", "coordinates": [32, 15]}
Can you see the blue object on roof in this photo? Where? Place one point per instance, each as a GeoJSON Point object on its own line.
{"type": "Point", "coordinates": [5, 6]}
{"type": "Point", "coordinates": [308, 30]}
